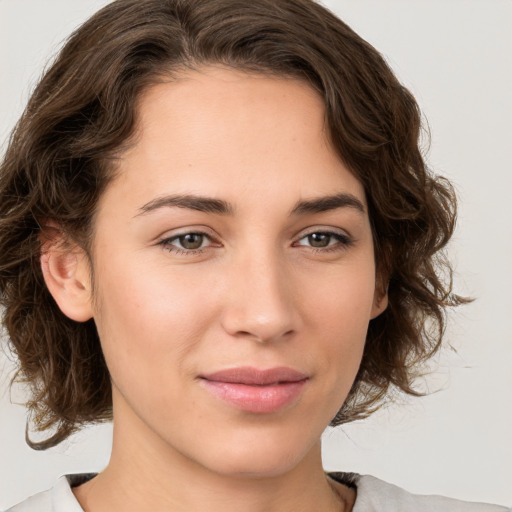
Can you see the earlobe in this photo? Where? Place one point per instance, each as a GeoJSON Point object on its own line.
{"type": "Point", "coordinates": [66, 274]}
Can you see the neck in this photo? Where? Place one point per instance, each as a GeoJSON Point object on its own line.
{"type": "Point", "coordinates": [144, 473]}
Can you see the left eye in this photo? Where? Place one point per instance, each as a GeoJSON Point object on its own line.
{"type": "Point", "coordinates": [321, 239]}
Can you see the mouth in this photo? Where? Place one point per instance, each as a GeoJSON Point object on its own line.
{"type": "Point", "coordinates": [256, 391]}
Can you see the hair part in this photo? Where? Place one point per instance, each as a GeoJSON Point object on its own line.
{"type": "Point", "coordinates": [62, 155]}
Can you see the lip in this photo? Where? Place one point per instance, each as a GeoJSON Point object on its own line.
{"type": "Point", "coordinates": [254, 390]}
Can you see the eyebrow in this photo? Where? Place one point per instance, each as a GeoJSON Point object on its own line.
{"type": "Point", "coordinates": [190, 202]}
{"type": "Point", "coordinates": [221, 207]}
{"type": "Point", "coordinates": [327, 203]}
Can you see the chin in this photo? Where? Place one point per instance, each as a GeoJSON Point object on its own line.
{"type": "Point", "coordinates": [262, 457]}
{"type": "Point", "coordinates": [258, 467]}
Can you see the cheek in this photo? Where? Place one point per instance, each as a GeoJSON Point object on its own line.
{"type": "Point", "coordinates": [341, 300]}
{"type": "Point", "coordinates": [338, 311]}
{"type": "Point", "coordinates": [147, 320]}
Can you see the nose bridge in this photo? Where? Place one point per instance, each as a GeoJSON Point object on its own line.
{"type": "Point", "coordinates": [260, 302]}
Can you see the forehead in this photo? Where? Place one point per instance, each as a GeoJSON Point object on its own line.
{"type": "Point", "coordinates": [230, 134]}
{"type": "Point", "coordinates": [231, 101]}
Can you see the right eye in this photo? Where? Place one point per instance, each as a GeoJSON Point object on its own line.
{"type": "Point", "coordinates": [187, 243]}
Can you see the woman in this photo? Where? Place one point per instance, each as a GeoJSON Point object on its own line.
{"type": "Point", "coordinates": [217, 228]}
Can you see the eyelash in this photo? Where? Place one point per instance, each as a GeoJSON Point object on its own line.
{"type": "Point", "coordinates": [344, 242]}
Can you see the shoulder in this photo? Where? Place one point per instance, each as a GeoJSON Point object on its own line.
{"type": "Point", "coordinates": [59, 498]}
{"type": "Point", "coordinates": [374, 495]}
{"type": "Point", "coordinates": [41, 502]}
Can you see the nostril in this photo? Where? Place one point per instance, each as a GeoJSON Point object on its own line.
{"type": "Point", "coordinates": [264, 337]}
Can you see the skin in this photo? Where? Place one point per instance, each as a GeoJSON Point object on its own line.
{"type": "Point", "coordinates": [257, 293]}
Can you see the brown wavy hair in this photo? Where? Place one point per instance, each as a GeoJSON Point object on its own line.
{"type": "Point", "coordinates": [60, 159]}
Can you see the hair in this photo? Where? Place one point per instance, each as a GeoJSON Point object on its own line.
{"type": "Point", "coordinates": [61, 156]}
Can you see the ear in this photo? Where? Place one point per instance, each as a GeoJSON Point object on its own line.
{"type": "Point", "coordinates": [67, 275]}
{"type": "Point", "coordinates": [380, 299]}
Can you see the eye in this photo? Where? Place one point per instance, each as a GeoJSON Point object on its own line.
{"type": "Point", "coordinates": [187, 242]}
{"type": "Point", "coordinates": [190, 241]}
{"type": "Point", "coordinates": [320, 239]}
{"type": "Point", "coordinates": [327, 240]}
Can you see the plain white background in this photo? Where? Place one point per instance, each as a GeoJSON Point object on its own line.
{"type": "Point", "coordinates": [455, 55]}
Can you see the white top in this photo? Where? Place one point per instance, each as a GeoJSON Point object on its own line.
{"type": "Point", "coordinates": [373, 495]}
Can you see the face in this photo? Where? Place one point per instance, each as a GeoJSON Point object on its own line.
{"type": "Point", "coordinates": [234, 273]}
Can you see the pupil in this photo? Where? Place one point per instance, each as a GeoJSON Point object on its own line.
{"type": "Point", "coordinates": [191, 241]}
{"type": "Point", "coordinates": [319, 239]}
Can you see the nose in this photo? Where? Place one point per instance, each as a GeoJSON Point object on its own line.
{"type": "Point", "coordinates": [259, 303]}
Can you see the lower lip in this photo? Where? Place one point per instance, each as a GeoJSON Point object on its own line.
{"type": "Point", "coordinates": [256, 399]}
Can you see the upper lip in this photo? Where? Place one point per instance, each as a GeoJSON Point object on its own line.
{"type": "Point", "coordinates": [256, 377]}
